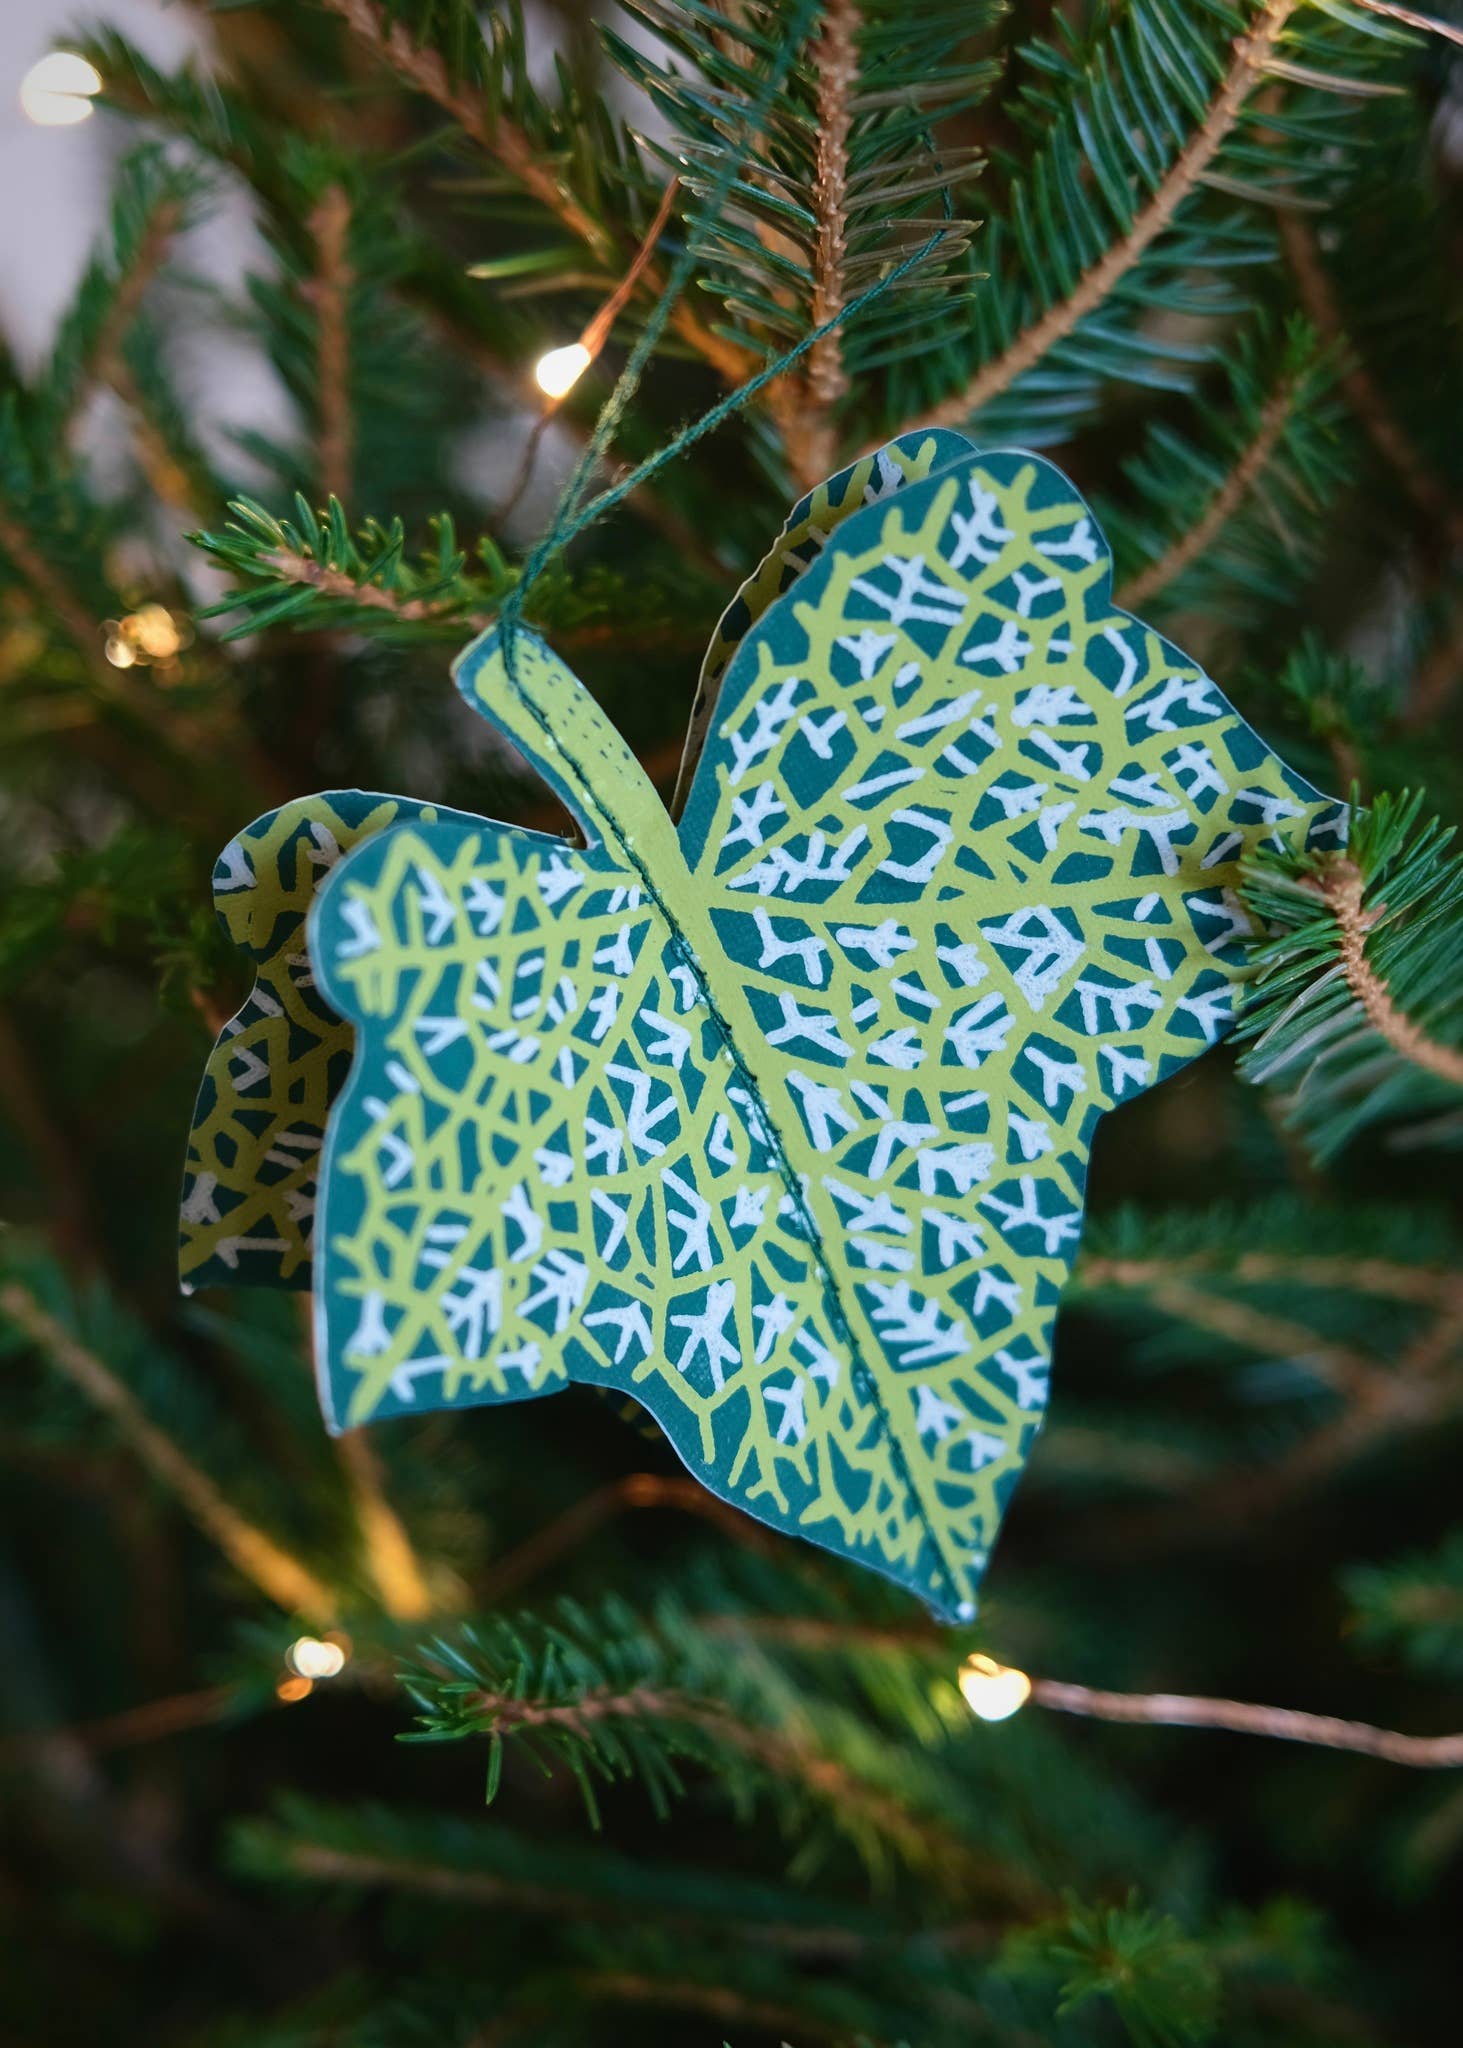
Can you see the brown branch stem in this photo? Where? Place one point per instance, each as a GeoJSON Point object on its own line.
{"type": "Point", "coordinates": [391, 1557]}
{"type": "Point", "coordinates": [1409, 17]}
{"type": "Point", "coordinates": [1250, 466]}
{"type": "Point", "coordinates": [636, 1490]}
{"type": "Point", "coordinates": [1343, 885]}
{"type": "Point", "coordinates": [329, 294]}
{"type": "Point", "coordinates": [51, 589]}
{"type": "Point", "coordinates": [104, 360]}
{"type": "Point", "coordinates": [503, 140]}
{"type": "Point", "coordinates": [294, 568]}
{"type": "Point", "coordinates": [779, 1754]}
{"type": "Point", "coordinates": [1429, 1286]}
{"type": "Point", "coordinates": [1280, 1724]}
{"type": "Point", "coordinates": [278, 1575]}
{"type": "Point", "coordinates": [1322, 306]}
{"type": "Point", "coordinates": [813, 443]}
{"type": "Point", "coordinates": [1253, 54]}
{"type": "Point", "coordinates": [23, 1100]}
{"type": "Point", "coordinates": [147, 1723]}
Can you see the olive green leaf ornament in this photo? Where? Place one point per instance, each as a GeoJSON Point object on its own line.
{"type": "Point", "coordinates": [777, 1117]}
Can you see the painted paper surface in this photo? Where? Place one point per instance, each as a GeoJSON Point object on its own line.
{"type": "Point", "coordinates": [249, 1184]}
{"type": "Point", "coordinates": [778, 1119]}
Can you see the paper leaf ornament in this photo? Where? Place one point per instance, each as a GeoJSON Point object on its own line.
{"type": "Point", "coordinates": [249, 1184]}
{"type": "Point", "coordinates": [778, 1119]}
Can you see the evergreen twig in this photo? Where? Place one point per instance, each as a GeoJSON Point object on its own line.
{"type": "Point", "coordinates": [254, 1553]}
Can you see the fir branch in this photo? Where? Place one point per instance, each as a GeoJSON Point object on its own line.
{"type": "Point", "coordinates": [1355, 1004]}
{"type": "Point", "coordinates": [1360, 388]}
{"type": "Point", "coordinates": [288, 569]}
{"type": "Point", "coordinates": [612, 1696]}
{"type": "Point", "coordinates": [546, 1546]}
{"type": "Point", "coordinates": [723, 2003]}
{"type": "Point", "coordinates": [1227, 521]}
{"type": "Point", "coordinates": [1347, 1370]}
{"type": "Point", "coordinates": [835, 59]}
{"type": "Point", "coordinates": [289, 566]}
{"type": "Point", "coordinates": [279, 1576]}
{"type": "Point", "coordinates": [1343, 888]}
{"type": "Point", "coordinates": [1254, 54]}
{"type": "Point", "coordinates": [153, 1721]}
{"type": "Point", "coordinates": [1376, 1317]}
{"type": "Point", "coordinates": [1243, 1717]}
{"type": "Point", "coordinates": [151, 202]}
{"type": "Point", "coordinates": [104, 361]}
{"type": "Point", "coordinates": [55, 595]}
{"type": "Point", "coordinates": [328, 292]}
{"type": "Point", "coordinates": [1242, 480]}
{"type": "Point", "coordinates": [1422, 1286]}
{"type": "Point", "coordinates": [396, 1571]}
{"type": "Point", "coordinates": [1409, 17]}
{"type": "Point", "coordinates": [1438, 675]}
{"type": "Point", "coordinates": [501, 138]}
{"type": "Point", "coordinates": [844, 178]}
{"type": "Point", "coordinates": [441, 1857]}
{"type": "Point", "coordinates": [1413, 1606]}
{"type": "Point", "coordinates": [52, 1150]}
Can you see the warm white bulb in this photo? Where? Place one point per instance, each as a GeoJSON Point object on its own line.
{"type": "Point", "coordinates": [560, 370]}
{"type": "Point", "coordinates": [309, 1657]}
{"type": "Point", "coordinates": [57, 90]}
{"type": "Point", "coordinates": [993, 1692]}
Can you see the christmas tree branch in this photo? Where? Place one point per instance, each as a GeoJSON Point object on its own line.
{"type": "Point", "coordinates": [1354, 1004]}
{"type": "Point", "coordinates": [980, 1673]}
{"type": "Point", "coordinates": [151, 1722]}
{"type": "Point", "coordinates": [395, 1569]}
{"type": "Point", "coordinates": [1438, 676]}
{"type": "Point", "coordinates": [292, 567]}
{"type": "Point", "coordinates": [718, 2002]}
{"type": "Point", "coordinates": [539, 1552]}
{"type": "Point", "coordinates": [1426, 1286]}
{"type": "Point", "coordinates": [1342, 886]}
{"type": "Point", "coordinates": [813, 448]}
{"type": "Point", "coordinates": [52, 1149]}
{"type": "Point", "coordinates": [1279, 1724]}
{"type": "Point", "coordinates": [1360, 388]}
{"type": "Point", "coordinates": [1242, 480]}
{"type": "Point", "coordinates": [103, 360]}
{"type": "Point", "coordinates": [54, 595]}
{"type": "Point", "coordinates": [279, 1576]}
{"type": "Point", "coordinates": [1409, 17]}
{"type": "Point", "coordinates": [772, 1752]}
{"type": "Point", "coordinates": [423, 68]}
{"type": "Point", "coordinates": [1349, 1371]}
{"type": "Point", "coordinates": [328, 292]}
{"type": "Point", "coordinates": [1254, 56]}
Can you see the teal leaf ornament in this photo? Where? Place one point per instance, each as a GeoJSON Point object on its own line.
{"type": "Point", "coordinates": [775, 1118]}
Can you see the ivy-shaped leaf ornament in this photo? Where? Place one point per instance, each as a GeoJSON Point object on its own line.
{"type": "Point", "coordinates": [777, 1118]}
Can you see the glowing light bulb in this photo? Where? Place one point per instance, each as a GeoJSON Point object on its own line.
{"type": "Point", "coordinates": [560, 370]}
{"type": "Point", "coordinates": [310, 1658]}
{"type": "Point", "coordinates": [57, 90]}
{"type": "Point", "coordinates": [993, 1692]}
